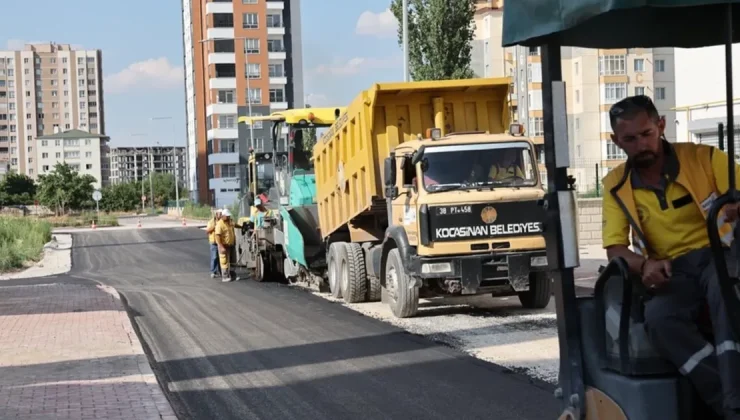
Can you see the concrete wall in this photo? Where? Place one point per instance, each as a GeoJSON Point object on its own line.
{"type": "Point", "coordinates": [589, 221]}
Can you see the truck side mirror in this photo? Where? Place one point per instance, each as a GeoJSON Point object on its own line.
{"type": "Point", "coordinates": [389, 172]}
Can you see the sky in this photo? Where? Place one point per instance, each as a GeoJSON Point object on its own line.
{"type": "Point", "coordinates": [347, 46]}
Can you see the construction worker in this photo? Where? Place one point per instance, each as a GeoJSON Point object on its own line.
{"type": "Point", "coordinates": [507, 168]}
{"type": "Point", "coordinates": [210, 230]}
{"type": "Point", "coordinates": [226, 239]}
{"type": "Point", "coordinates": [260, 212]}
{"type": "Point", "coordinates": [662, 195]}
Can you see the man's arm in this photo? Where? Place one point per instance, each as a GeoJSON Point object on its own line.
{"type": "Point", "coordinates": [210, 227]}
{"type": "Point", "coordinates": [615, 234]}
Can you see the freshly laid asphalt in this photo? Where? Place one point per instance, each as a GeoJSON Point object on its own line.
{"type": "Point", "coordinates": [258, 350]}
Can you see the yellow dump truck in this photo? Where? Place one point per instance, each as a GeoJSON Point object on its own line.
{"type": "Point", "coordinates": [424, 189]}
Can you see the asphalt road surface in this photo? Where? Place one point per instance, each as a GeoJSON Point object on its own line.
{"type": "Point", "coordinates": [250, 350]}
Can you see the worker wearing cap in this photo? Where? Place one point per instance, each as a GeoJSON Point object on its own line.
{"type": "Point", "coordinates": [260, 212]}
{"type": "Point", "coordinates": [662, 195]}
{"type": "Point", "coordinates": [226, 239]}
{"type": "Point", "coordinates": [211, 231]}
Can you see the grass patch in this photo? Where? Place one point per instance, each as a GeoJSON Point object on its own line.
{"type": "Point", "coordinates": [83, 220]}
{"type": "Point", "coordinates": [22, 240]}
{"type": "Point", "coordinates": [197, 211]}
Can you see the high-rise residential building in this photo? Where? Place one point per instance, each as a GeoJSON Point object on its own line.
{"type": "Point", "coordinates": [241, 57]}
{"type": "Point", "coordinates": [129, 164]}
{"type": "Point", "coordinates": [84, 152]}
{"type": "Point", "coordinates": [595, 79]}
{"type": "Point", "coordinates": [45, 89]}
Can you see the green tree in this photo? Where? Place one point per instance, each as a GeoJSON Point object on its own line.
{"type": "Point", "coordinates": [121, 197]}
{"type": "Point", "coordinates": [163, 188]}
{"type": "Point", "coordinates": [440, 36]}
{"type": "Point", "coordinates": [16, 189]}
{"type": "Point", "coordinates": [65, 189]}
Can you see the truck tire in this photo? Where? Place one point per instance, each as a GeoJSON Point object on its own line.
{"type": "Point", "coordinates": [374, 290]}
{"type": "Point", "coordinates": [402, 299]}
{"type": "Point", "coordinates": [540, 290]}
{"type": "Point", "coordinates": [334, 274]}
{"type": "Point", "coordinates": [354, 276]}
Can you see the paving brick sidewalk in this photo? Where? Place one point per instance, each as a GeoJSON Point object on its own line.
{"type": "Point", "coordinates": [69, 352]}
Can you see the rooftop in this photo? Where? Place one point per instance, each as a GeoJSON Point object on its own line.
{"type": "Point", "coordinates": [73, 134]}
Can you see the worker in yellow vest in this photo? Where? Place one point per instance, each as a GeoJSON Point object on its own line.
{"type": "Point", "coordinates": [507, 168]}
{"type": "Point", "coordinates": [226, 239]}
{"type": "Point", "coordinates": [211, 231]}
{"type": "Point", "coordinates": [662, 194]}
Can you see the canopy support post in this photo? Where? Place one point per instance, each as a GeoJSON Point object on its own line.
{"type": "Point", "coordinates": [561, 231]}
{"type": "Point", "coordinates": [730, 105]}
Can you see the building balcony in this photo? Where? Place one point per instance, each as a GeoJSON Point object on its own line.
{"type": "Point", "coordinates": [220, 33]}
{"type": "Point", "coordinates": [220, 109]}
{"type": "Point", "coordinates": [275, 31]}
{"type": "Point", "coordinates": [223, 158]}
{"type": "Point", "coordinates": [223, 133]}
{"type": "Point", "coordinates": [221, 58]}
{"type": "Point", "coordinates": [221, 183]}
{"type": "Point", "coordinates": [275, 5]}
{"type": "Point", "coordinates": [282, 80]}
{"type": "Point", "coordinates": [278, 106]}
{"type": "Point", "coordinates": [222, 83]}
{"type": "Point", "coordinates": [219, 7]}
{"type": "Point", "coordinates": [277, 55]}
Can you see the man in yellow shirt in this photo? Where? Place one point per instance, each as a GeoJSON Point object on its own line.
{"type": "Point", "coordinates": [210, 230]}
{"type": "Point", "coordinates": [662, 195]}
{"type": "Point", "coordinates": [507, 168]}
{"type": "Point", "coordinates": [226, 239]}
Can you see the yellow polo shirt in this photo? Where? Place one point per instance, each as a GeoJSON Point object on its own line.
{"type": "Point", "coordinates": [226, 232]}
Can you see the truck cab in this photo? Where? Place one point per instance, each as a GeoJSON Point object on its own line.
{"type": "Point", "coordinates": [465, 209]}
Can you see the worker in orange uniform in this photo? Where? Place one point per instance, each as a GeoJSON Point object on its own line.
{"type": "Point", "coordinates": [226, 239]}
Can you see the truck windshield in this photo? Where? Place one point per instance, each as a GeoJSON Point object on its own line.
{"type": "Point", "coordinates": [471, 166]}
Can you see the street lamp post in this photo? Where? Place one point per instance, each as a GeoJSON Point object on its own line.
{"type": "Point", "coordinates": [405, 27]}
{"type": "Point", "coordinates": [174, 156]}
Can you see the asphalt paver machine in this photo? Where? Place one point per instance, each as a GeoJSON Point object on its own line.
{"type": "Point", "coordinates": [614, 373]}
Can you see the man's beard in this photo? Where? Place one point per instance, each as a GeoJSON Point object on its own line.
{"type": "Point", "coordinates": [644, 160]}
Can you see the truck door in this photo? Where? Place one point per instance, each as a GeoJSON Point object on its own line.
{"type": "Point", "coordinates": [404, 205]}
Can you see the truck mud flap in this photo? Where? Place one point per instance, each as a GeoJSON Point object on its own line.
{"type": "Point", "coordinates": [472, 275]}
{"type": "Point", "coordinates": [519, 270]}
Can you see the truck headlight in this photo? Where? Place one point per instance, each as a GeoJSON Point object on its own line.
{"type": "Point", "coordinates": [436, 268]}
{"type": "Point", "coordinates": [538, 262]}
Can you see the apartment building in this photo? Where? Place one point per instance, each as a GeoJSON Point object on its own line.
{"type": "Point", "coordinates": [46, 88]}
{"type": "Point", "coordinates": [129, 164]}
{"type": "Point", "coordinates": [241, 57]}
{"type": "Point", "coordinates": [85, 152]}
{"type": "Point", "coordinates": [595, 79]}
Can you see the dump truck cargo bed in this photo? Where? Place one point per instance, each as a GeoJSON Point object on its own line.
{"type": "Point", "coordinates": [349, 156]}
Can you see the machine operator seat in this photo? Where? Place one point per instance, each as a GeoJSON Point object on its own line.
{"type": "Point", "coordinates": [618, 358]}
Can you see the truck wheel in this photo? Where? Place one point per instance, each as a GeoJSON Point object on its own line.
{"type": "Point", "coordinates": [354, 277]}
{"type": "Point", "coordinates": [333, 270]}
{"type": "Point", "coordinates": [260, 271]}
{"type": "Point", "coordinates": [276, 269]}
{"type": "Point", "coordinates": [540, 290]}
{"type": "Point", "coordinates": [373, 289]}
{"type": "Point", "coordinates": [403, 300]}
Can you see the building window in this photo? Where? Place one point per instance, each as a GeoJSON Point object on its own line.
{"type": "Point", "coordinates": [249, 1]}
{"type": "Point", "coordinates": [578, 124]}
{"type": "Point", "coordinates": [44, 155]}
{"type": "Point", "coordinates": [275, 45]}
{"type": "Point", "coordinates": [251, 46]}
{"type": "Point", "coordinates": [253, 70]}
{"type": "Point", "coordinates": [536, 127]}
{"type": "Point", "coordinates": [250, 21]}
{"type": "Point", "coordinates": [226, 96]}
{"type": "Point", "coordinates": [229, 171]}
{"type": "Point", "coordinates": [254, 95]}
{"type": "Point", "coordinates": [277, 95]}
{"type": "Point", "coordinates": [45, 168]}
{"type": "Point", "coordinates": [276, 70]}
{"type": "Point", "coordinates": [88, 154]}
{"type": "Point", "coordinates": [610, 65]}
{"type": "Point", "coordinates": [44, 143]}
{"type": "Point", "coordinates": [227, 121]}
{"type": "Point", "coordinates": [659, 93]}
{"type": "Point", "coordinates": [88, 166]}
{"type": "Point", "coordinates": [613, 152]}
{"type": "Point", "coordinates": [639, 64]}
{"type": "Point", "coordinates": [578, 96]}
{"type": "Point", "coordinates": [659, 66]}
{"type": "Point", "coordinates": [72, 155]}
{"type": "Point", "coordinates": [274, 21]}
{"type": "Point", "coordinates": [639, 90]}
{"type": "Point", "coordinates": [534, 50]}
{"type": "Point", "coordinates": [614, 92]}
